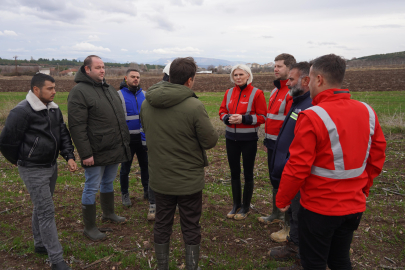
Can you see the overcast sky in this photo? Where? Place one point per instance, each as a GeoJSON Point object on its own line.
{"type": "Point", "coordinates": [236, 30]}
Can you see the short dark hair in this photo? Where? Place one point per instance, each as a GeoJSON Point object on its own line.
{"type": "Point", "coordinates": [302, 67]}
{"type": "Point", "coordinates": [39, 79]}
{"type": "Point", "coordinates": [89, 60]}
{"type": "Point", "coordinates": [332, 67]}
{"type": "Point", "coordinates": [289, 60]}
{"type": "Point", "coordinates": [182, 69]}
{"type": "Point", "coordinates": [130, 70]}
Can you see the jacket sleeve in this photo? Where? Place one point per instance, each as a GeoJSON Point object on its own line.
{"type": "Point", "coordinates": [298, 167]}
{"type": "Point", "coordinates": [66, 146]}
{"type": "Point", "coordinates": [289, 102]}
{"type": "Point", "coordinates": [12, 134]}
{"type": "Point", "coordinates": [223, 111]}
{"type": "Point", "coordinates": [77, 115]}
{"type": "Point", "coordinates": [376, 158]}
{"type": "Point", "coordinates": [206, 134]}
{"type": "Point", "coordinates": [260, 110]}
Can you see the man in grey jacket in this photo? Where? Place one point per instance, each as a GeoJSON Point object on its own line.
{"type": "Point", "coordinates": [32, 137]}
{"type": "Point", "coordinates": [100, 133]}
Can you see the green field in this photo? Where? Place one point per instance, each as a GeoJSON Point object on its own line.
{"type": "Point", "coordinates": [226, 244]}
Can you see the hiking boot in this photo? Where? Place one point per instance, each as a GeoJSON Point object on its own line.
{"type": "Point", "coordinates": [126, 201]}
{"type": "Point", "coordinates": [289, 251]}
{"type": "Point", "coordinates": [107, 205]}
{"type": "Point", "coordinates": [281, 236]}
{"type": "Point", "coordinates": [247, 198]}
{"type": "Point", "coordinates": [41, 250]}
{"type": "Point", "coordinates": [162, 256]}
{"type": "Point", "coordinates": [152, 212]}
{"type": "Point", "coordinates": [89, 219]}
{"type": "Point", "coordinates": [275, 217]}
{"type": "Point", "coordinates": [60, 266]}
{"type": "Point", "coordinates": [192, 256]}
{"type": "Point", "coordinates": [236, 197]}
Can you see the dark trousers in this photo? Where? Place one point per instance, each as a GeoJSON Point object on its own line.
{"type": "Point", "coordinates": [325, 240]}
{"type": "Point", "coordinates": [248, 149]}
{"type": "Point", "coordinates": [136, 148]}
{"type": "Point", "coordinates": [293, 212]}
{"type": "Point", "coordinates": [190, 208]}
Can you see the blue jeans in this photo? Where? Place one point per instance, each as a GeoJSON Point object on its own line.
{"type": "Point", "coordinates": [98, 177]}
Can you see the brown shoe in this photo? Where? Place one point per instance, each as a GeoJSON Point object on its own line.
{"type": "Point", "coordinates": [289, 251]}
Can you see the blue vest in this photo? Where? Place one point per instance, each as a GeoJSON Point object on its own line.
{"type": "Point", "coordinates": [132, 107]}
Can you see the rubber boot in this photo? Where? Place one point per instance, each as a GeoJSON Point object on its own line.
{"type": "Point", "coordinates": [89, 219]}
{"type": "Point", "coordinates": [275, 217]}
{"type": "Point", "coordinates": [281, 236]}
{"type": "Point", "coordinates": [247, 198]}
{"type": "Point", "coordinates": [162, 256]}
{"type": "Point", "coordinates": [236, 196]}
{"type": "Point", "coordinates": [107, 205]}
{"type": "Point", "coordinates": [126, 201]}
{"type": "Point", "coordinates": [192, 257]}
{"type": "Point", "coordinates": [289, 251]}
{"type": "Point", "coordinates": [60, 266]}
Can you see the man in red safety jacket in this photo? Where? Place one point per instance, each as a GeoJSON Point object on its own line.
{"type": "Point", "coordinates": [338, 149]}
{"type": "Point", "coordinates": [279, 104]}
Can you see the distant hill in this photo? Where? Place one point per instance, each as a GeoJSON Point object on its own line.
{"type": "Point", "coordinates": [388, 59]}
{"type": "Point", "coordinates": [383, 56]}
{"type": "Point", "coordinates": [105, 60]}
{"type": "Point", "coordinates": [201, 62]}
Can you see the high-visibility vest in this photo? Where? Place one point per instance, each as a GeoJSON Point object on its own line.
{"type": "Point", "coordinates": [340, 172]}
{"type": "Point", "coordinates": [279, 104]}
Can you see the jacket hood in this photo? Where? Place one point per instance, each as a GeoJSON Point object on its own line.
{"type": "Point", "coordinates": [166, 94]}
{"type": "Point", "coordinates": [123, 84]}
{"type": "Point", "coordinates": [81, 76]}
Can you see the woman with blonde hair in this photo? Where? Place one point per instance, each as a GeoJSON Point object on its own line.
{"type": "Point", "coordinates": [243, 110]}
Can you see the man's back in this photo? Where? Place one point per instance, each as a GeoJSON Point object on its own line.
{"type": "Point", "coordinates": [178, 131]}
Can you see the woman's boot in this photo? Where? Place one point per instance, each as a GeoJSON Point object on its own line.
{"type": "Point", "coordinates": [236, 196]}
{"type": "Point", "coordinates": [247, 198]}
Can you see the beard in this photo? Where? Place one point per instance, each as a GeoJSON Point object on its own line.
{"type": "Point", "coordinates": [296, 90]}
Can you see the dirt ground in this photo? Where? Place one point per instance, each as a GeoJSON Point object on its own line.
{"type": "Point", "coordinates": [356, 81]}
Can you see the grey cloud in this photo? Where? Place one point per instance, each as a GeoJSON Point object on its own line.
{"type": "Point", "coordinates": [195, 2]}
{"type": "Point", "coordinates": [326, 43]}
{"type": "Point", "coordinates": [384, 26]}
{"type": "Point", "coordinates": [267, 37]}
{"type": "Point", "coordinates": [161, 22]}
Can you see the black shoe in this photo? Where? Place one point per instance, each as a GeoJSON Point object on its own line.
{"type": "Point", "coordinates": [41, 250]}
{"type": "Point", "coordinates": [60, 266]}
{"type": "Point", "coordinates": [247, 197]}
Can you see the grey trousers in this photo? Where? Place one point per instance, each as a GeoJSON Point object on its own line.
{"type": "Point", "coordinates": [40, 183]}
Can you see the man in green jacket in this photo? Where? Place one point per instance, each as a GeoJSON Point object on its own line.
{"type": "Point", "coordinates": [99, 130]}
{"type": "Point", "coordinates": [179, 131]}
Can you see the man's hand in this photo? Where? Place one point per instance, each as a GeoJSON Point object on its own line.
{"type": "Point", "coordinates": [235, 119]}
{"type": "Point", "coordinates": [88, 161]}
{"type": "Point", "coordinates": [284, 209]}
{"type": "Point", "coordinates": [72, 165]}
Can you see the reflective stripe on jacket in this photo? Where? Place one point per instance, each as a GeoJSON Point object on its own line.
{"type": "Point", "coordinates": [251, 104]}
{"type": "Point", "coordinates": [339, 148]}
{"type": "Point", "coordinates": [279, 104]}
{"type": "Point", "coordinates": [132, 107]}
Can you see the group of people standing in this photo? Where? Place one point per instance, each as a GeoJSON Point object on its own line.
{"type": "Point", "coordinates": [323, 150]}
{"type": "Point", "coordinates": [322, 159]}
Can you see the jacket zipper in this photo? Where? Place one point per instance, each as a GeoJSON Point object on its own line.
{"type": "Point", "coordinates": [50, 130]}
{"type": "Point", "coordinates": [237, 107]}
{"type": "Point", "coordinates": [33, 147]}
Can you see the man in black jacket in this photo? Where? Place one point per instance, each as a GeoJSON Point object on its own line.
{"type": "Point", "coordinates": [298, 80]}
{"type": "Point", "coordinates": [33, 136]}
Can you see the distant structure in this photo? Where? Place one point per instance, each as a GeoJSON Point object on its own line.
{"type": "Point", "coordinates": [205, 72]}
{"type": "Point", "coordinates": [46, 71]}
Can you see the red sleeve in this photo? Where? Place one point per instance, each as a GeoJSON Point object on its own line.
{"type": "Point", "coordinates": [298, 167]}
{"type": "Point", "coordinates": [223, 110]}
{"type": "Point", "coordinates": [376, 157]}
{"type": "Point", "coordinates": [260, 107]}
{"type": "Point", "coordinates": [288, 104]}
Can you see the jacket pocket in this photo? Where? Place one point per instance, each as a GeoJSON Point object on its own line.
{"type": "Point", "coordinates": [102, 140]}
{"type": "Point", "coordinates": [33, 147]}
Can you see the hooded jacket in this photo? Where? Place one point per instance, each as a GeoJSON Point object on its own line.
{"type": "Point", "coordinates": [179, 131]}
{"type": "Point", "coordinates": [338, 149]}
{"type": "Point", "coordinates": [97, 121]}
{"type": "Point", "coordinates": [34, 134]}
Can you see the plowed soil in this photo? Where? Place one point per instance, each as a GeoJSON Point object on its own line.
{"type": "Point", "coordinates": [355, 81]}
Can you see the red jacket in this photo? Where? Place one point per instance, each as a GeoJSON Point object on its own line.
{"type": "Point", "coordinates": [249, 102]}
{"type": "Point", "coordinates": [339, 148]}
{"type": "Point", "coordinates": [279, 104]}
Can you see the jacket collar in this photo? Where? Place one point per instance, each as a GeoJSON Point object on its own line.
{"type": "Point", "coordinates": [37, 105]}
{"type": "Point", "coordinates": [247, 88]}
{"type": "Point", "coordinates": [300, 98]}
{"type": "Point", "coordinates": [331, 95]}
{"type": "Point", "coordinates": [280, 83]}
